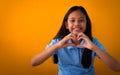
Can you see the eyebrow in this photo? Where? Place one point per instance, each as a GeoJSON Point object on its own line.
{"type": "Point", "coordinates": [77, 18]}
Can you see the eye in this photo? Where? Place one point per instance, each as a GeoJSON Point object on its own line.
{"type": "Point", "coordinates": [81, 20]}
{"type": "Point", "coordinates": [72, 20]}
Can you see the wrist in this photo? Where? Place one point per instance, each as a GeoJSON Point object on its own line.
{"type": "Point", "coordinates": [94, 48]}
{"type": "Point", "coordinates": [57, 46]}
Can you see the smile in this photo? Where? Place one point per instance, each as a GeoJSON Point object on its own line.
{"type": "Point", "coordinates": [77, 29]}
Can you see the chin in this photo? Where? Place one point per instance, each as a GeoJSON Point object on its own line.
{"type": "Point", "coordinates": [76, 33]}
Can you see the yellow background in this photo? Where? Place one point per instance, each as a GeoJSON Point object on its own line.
{"type": "Point", "coordinates": [27, 26]}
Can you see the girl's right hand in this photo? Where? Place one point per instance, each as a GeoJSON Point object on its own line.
{"type": "Point", "coordinates": [64, 41]}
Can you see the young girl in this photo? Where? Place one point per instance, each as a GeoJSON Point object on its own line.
{"type": "Point", "coordinates": [74, 48]}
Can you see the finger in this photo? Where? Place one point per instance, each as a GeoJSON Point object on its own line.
{"type": "Point", "coordinates": [68, 36]}
{"type": "Point", "coordinates": [80, 38]}
{"type": "Point", "coordinates": [80, 45]}
{"type": "Point", "coordinates": [82, 35]}
{"type": "Point", "coordinates": [79, 35]}
{"type": "Point", "coordinates": [69, 44]}
{"type": "Point", "coordinates": [85, 36]}
{"type": "Point", "coordinates": [73, 35]}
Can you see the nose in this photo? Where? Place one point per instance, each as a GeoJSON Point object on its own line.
{"type": "Point", "coordinates": [77, 23]}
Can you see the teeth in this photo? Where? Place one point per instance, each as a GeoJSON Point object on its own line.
{"type": "Point", "coordinates": [77, 29]}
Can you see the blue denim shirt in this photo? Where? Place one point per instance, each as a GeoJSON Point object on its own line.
{"type": "Point", "coordinates": [70, 58]}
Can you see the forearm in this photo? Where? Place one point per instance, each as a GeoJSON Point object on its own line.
{"type": "Point", "coordinates": [107, 59]}
{"type": "Point", "coordinates": [41, 57]}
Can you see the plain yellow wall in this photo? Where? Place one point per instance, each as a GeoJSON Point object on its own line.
{"type": "Point", "coordinates": [27, 26]}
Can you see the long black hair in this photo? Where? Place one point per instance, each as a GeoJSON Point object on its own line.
{"type": "Point", "coordinates": [86, 57]}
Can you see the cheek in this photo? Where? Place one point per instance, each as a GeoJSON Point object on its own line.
{"type": "Point", "coordinates": [84, 29]}
{"type": "Point", "coordinates": [84, 26]}
{"type": "Point", "coordinates": [70, 28]}
{"type": "Point", "coordinates": [67, 25]}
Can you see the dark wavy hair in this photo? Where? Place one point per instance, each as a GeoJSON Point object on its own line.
{"type": "Point", "coordinates": [86, 57]}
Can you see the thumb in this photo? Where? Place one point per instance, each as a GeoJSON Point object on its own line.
{"type": "Point", "coordinates": [80, 45]}
{"type": "Point", "coordinates": [70, 44]}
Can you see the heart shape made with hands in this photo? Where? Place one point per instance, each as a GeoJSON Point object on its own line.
{"type": "Point", "coordinates": [76, 41]}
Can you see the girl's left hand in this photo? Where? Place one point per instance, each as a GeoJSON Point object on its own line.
{"type": "Point", "coordinates": [87, 44]}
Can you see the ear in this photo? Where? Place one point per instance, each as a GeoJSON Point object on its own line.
{"type": "Point", "coordinates": [66, 25]}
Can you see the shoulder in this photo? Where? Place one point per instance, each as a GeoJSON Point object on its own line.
{"type": "Point", "coordinates": [53, 41]}
{"type": "Point", "coordinates": [94, 40]}
{"type": "Point", "coordinates": [98, 43]}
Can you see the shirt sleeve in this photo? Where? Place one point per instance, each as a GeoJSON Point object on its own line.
{"type": "Point", "coordinates": [96, 42]}
{"type": "Point", "coordinates": [54, 41]}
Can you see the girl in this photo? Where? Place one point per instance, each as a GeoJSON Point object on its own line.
{"type": "Point", "coordinates": [74, 48]}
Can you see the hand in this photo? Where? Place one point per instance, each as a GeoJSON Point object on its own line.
{"type": "Point", "coordinates": [87, 44]}
{"type": "Point", "coordinates": [64, 41]}
{"type": "Point", "coordinates": [76, 41]}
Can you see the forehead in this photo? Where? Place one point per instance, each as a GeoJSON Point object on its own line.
{"type": "Point", "coordinates": [76, 14]}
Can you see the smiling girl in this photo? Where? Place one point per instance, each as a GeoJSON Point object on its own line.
{"type": "Point", "coordinates": [74, 48]}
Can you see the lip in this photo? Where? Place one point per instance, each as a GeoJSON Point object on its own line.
{"type": "Point", "coordinates": [77, 29]}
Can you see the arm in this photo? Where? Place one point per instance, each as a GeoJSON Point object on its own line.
{"type": "Point", "coordinates": [107, 59]}
{"type": "Point", "coordinates": [41, 57]}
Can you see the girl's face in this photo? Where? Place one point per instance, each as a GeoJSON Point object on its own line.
{"type": "Point", "coordinates": [76, 22]}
